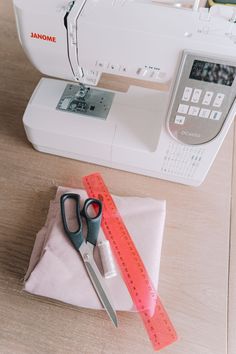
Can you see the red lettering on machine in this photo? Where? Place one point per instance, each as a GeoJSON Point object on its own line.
{"type": "Point", "coordinates": [43, 37]}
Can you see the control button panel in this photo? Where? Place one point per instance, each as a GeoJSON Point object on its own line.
{"type": "Point", "coordinates": [193, 95]}
{"type": "Point", "coordinates": [202, 98]}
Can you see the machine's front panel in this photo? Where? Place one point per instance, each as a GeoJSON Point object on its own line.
{"type": "Point", "coordinates": [204, 93]}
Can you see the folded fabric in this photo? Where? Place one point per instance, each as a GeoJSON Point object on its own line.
{"type": "Point", "coordinates": [56, 269]}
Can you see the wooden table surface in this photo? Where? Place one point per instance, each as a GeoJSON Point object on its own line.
{"type": "Point", "coordinates": [198, 266]}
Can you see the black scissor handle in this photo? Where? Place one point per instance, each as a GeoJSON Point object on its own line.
{"type": "Point", "coordinates": [76, 236]}
{"type": "Point", "coordinates": [93, 222]}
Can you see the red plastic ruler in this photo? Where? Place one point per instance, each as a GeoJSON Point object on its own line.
{"type": "Point", "coordinates": [157, 323]}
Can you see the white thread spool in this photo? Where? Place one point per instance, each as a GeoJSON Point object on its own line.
{"type": "Point", "coordinates": [107, 259]}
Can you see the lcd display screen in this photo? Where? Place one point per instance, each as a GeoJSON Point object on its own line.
{"type": "Point", "coordinates": [212, 72]}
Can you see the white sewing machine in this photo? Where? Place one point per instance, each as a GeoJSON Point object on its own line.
{"type": "Point", "coordinates": [172, 129]}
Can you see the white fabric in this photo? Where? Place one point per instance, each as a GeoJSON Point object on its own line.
{"type": "Point", "coordinates": [56, 269]}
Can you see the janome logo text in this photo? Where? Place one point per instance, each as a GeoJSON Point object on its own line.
{"type": "Point", "coordinates": [43, 37]}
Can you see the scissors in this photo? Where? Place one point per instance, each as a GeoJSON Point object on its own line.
{"type": "Point", "coordinates": [85, 245]}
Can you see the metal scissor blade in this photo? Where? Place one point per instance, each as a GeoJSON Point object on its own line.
{"type": "Point", "coordinates": [101, 291]}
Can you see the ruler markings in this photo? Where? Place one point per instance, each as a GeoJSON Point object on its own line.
{"type": "Point", "coordinates": [157, 323]}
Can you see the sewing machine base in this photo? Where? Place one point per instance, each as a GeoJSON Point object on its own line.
{"type": "Point", "coordinates": [132, 138]}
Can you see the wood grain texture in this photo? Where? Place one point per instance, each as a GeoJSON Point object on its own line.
{"type": "Point", "coordinates": [195, 257]}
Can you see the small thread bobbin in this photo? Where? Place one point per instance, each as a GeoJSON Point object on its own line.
{"type": "Point", "coordinates": [109, 268]}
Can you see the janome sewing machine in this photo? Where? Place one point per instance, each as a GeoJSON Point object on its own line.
{"type": "Point", "coordinates": [175, 115]}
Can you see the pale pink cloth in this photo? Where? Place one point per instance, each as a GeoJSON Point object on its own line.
{"type": "Point", "coordinates": [57, 271]}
